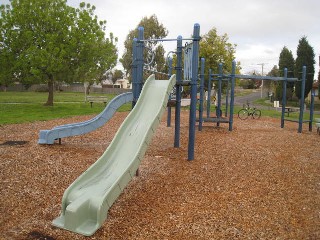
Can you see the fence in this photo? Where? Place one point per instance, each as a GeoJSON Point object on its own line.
{"type": "Point", "coordinates": [69, 88]}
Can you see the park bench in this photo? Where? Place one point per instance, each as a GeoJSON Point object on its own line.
{"type": "Point", "coordinates": [97, 99]}
{"type": "Point", "coordinates": [289, 110]}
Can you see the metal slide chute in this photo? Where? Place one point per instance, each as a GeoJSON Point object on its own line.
{"type": "Point", "coordinates": [73, 129]}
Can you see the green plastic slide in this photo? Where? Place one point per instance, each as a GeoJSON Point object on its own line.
{"type": "Point", "coordinates": [86, 201]}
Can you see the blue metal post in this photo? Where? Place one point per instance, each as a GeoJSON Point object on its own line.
{"type": "Point", "coordinates": [232, 94]}
{"type": "Point", "coordinates": [178, 92]}
{"type": "Point", "coordinates": [311, 110]}
{"type": "Point", "coordinates": [218, 113]}
{"type": "Point", "coordinates": [140, 61]}
{"type": "Point", "coordinates": [209, 94]}
{"type": "Point", "coordinates": [227, 99]}
{"type": "Point", "coordinates": [134, 72]}
{"type": "Point", "coordinates": [193, 106]}
{"type": "Point", "coordinates": [303, 84]}
{"type": "Point", "coordinates": [284, 97]}
{"type": "Point", "coordinates": [201, 93]}
{"type": "Point", "coordinates": [169, 108]}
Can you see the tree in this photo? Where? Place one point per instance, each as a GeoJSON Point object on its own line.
{"type": "Point", "coordinates": [286, 60]}
{"type": "Point", "coordinates": [217, 49]}
{"type": "Point", "coordinates": [305, 57]}
{"type": "Point", "coordinates": [152, 29]}
{"type": "Point", "coordinates": [49, 41]}
{"type": "Point", "coordinates": [274, 72]}
{"type": "Point", "coordinates": [117, 74]}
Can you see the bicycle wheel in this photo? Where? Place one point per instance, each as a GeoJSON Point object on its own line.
{"type": "Point", "coordinates": [256, 114]}
{"type": "Point", "coordinates": [243, 114]}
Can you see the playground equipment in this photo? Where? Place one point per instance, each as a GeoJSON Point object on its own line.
{"type": "Point", "coordinates": [217, 77]}
{"type": "Point", "coordinates": [86, 201]}
{"type": "Point", "coordinates": [190, 75]}
{"type": "Point", "coordinates": [233, 76]}
{"type": "Point", "coordinates": [301, 108]}
{"type": "Point", "coordinates": [73, 129]}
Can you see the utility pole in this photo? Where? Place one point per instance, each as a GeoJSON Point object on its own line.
{"type": "Point", "coordinates": [262, 65]}
{"type": "Point", "coordinates": [319, 79]}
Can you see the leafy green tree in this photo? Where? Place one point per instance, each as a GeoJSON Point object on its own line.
{"type": "Point", "coordinates": [274, 72]}
{"type": "Point", "coordinates": [217, 49]}
{"type": "Point", "coordinates": [49, 41]}
{"type": "Point", "coordinates": [152, 29]}
{"type": "Point", "coordinates": [286, 60]}
{"type": "Point", "coordinates": [305, 57]}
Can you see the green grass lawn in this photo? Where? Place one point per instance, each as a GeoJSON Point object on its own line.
{"type": "Point", "coordinates": [265, 112]}
{"type": "Point", "coordinates": [41, 97]}
{"type": "Point", "coordinates": [20, 107]}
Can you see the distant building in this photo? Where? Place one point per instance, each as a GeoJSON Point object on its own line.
{"type": "Point", "coordinates": [120, 83]}
{"type": "Point", "coordinates": [123, 83]}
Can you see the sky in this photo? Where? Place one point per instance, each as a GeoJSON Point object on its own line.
{"type": "Point", "coordinates": [260, 29]}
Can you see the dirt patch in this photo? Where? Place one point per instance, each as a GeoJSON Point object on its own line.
{"type": "Point", "coordinates": [257, 182]}
{"type": "Point", "coordinates": [13, 143]}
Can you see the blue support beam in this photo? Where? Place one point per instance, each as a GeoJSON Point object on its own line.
{"type": "Point", "coordinates": [140, 61]}
{"type": "Point", "coordinates": [178, 92]}
{"type": "Point", "coordinates": [233, 81]}
{"type": "Point", "coordinates": [227, 99]}
{"type": "Point", "coordinates": [201, 94]}
{"type": "Point", "coordinates": [284, 97]}
{"type": "Point", "coordinates": [311, 110]}
{"type": "Point", "coordinates": [193, 106]}
{"type": "Point", "coordinates": [169, 108]}
{"type": "Point", "coordinates": [218, 112]}
{"type": "Point", "coordinates": [209, 94]}
{"type": "Point", "coordinates": [134, 72]}
{"type": "Point", "coordinates": [254, 77]}
{"type": "Point", "coordinates": [303, 85]}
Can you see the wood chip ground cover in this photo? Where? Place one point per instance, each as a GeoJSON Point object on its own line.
{"type": "Point", "coordinates": [257, 182]}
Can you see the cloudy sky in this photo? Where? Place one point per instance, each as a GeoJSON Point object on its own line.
{"type": "Point", "coordinates": [259, 28]}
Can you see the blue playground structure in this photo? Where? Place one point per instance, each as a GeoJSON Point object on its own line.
{"type": "Point", "coordinates": [231, 77]}
{"type": "Point", "coordinates": [190, 78]}
{"type": "Point", "coordinates": [86, 201]}
{"type": "Point", "coordinates": [187, 64]}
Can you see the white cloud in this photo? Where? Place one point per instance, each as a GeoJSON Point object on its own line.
{"type": "Point", "coordinates": [259, 28]}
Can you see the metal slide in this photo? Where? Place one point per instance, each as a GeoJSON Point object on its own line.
{"type": "Point", "coordinates": [73, 129]}
{"type": "Point", "coordinates": [86, 201]}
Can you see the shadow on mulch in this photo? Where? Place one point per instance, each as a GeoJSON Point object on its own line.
{"type": "Point", "coordinates": [39, 236]}
{"type": "Point", "coordinates": [13, 143]}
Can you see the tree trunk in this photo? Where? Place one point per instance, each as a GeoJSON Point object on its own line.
{"type": "Point", "coordinates": [50, 95]}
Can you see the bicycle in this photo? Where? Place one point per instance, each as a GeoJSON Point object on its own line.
{"type": "Point", "coordinates": [244, 113]}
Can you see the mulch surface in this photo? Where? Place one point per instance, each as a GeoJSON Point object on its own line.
{"type": "Point", "coordinates": [257, 182]}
